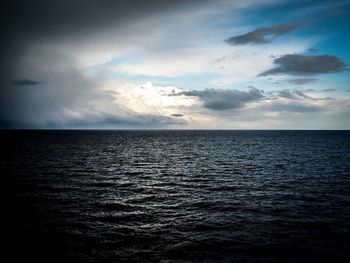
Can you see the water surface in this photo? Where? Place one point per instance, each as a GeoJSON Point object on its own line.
{"type": "Point", "coordinates": [177, 196]}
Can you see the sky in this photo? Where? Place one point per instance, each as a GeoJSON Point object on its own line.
{"type": "Point", "coordinates": [185, 64]}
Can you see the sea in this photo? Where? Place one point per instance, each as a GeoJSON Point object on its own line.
{"type": "Point", "coordinates": [175, 196]}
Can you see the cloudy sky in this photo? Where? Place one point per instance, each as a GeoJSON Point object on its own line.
{"type": "Point", "coordinates": [185, 64]}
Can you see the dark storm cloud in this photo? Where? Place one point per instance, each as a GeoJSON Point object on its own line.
{"type": "Point", "coordinates": [305, 65]}
{"type": "Point", "coordinates": [25, 82]}
{"type": "Point", "coordinates": [263, 35]}
{"type": "Point", "coordinates": [302, 81]}
{"type": "Point", "coordinates": [27, 26]}
{"type": "Point", "coordinates": [217, 99]}
{"type": "Point", "coordinates": [25, 23]}
{"type": "Point", "coordinates": [40, 18]}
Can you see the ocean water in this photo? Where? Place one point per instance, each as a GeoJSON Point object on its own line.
{"type": "Point", "coordinates": [176, 196]}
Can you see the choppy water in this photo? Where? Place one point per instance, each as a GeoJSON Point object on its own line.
{"type": "Point", "coordinates": [177, 196]}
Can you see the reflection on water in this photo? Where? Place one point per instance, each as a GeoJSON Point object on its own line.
{"type": "Point", "coordinates": [177, 196]}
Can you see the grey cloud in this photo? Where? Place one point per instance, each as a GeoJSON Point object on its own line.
{"type": "Point", "coordinates": [302, 81]}
{"type": "Point", "coordinates": [217, 99]}
{"type": "Point", "coordinates": [293, 101]}
{"type": "Point", "coordinates": [177, 115]}
{"type": "Point", "coordinates": [286, 94]}
{"type": "Point", "coordinates": [293, 95]}
{"type": "Point", "coordinates": [305, 65]}
{"type": "Point", "coordinates": [25, 82]}
{"type": "Point", "coordinates": [263, 35]}
{"type": "Point", "coordinates": [329, 90]}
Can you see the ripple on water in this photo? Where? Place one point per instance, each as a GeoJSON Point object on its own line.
{"type": "Point", "coordinates": [178, 196]}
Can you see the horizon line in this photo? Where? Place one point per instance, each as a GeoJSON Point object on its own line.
{"type": "Point", "coordinates": [157, 129]}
